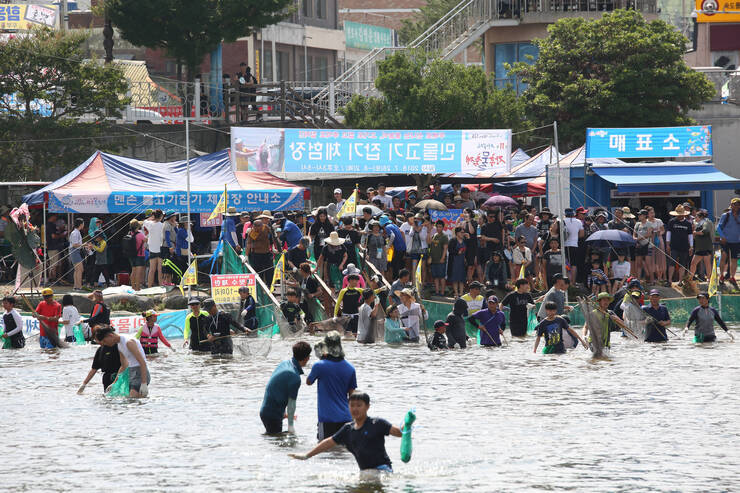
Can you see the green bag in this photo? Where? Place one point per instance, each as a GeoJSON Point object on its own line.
{"type": "Point", "coordinates": [406, 448]}
{"type": "Point", "coordinates": [79, 336]}
{"type": "Point", "coordinates": [120, 387]}
{"type": "Point", "coordinates": [531, 322]}
{"type": "Point", "coordinates": [6, 340]}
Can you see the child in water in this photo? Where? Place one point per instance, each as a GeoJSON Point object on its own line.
{"type": "Point", "coordinates": [364, 437]}
{"type": "Point", "coordinates": [394, 332]}
{"type": "Point", "coordinates": [439, 341]}
{"type": "Point", "coordinates": [150, 334]}
{"type": "Point", "coordinates": [551, 328]}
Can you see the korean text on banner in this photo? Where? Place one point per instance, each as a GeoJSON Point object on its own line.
{"type": "Point", "coordinates": [207, 222]}
{"type": "Point", "coordinates": [654, 142]}
{"type": "Point", "coordinates": [717, 11]}
{"type": "Point", "coordinates": [449, 217]}
{"type": "Point", "coordinates": [293, 150]}
{"type": "Point", "coordinates": [24, 17]}
{"type": "Point", "coordinates": [225, 287]}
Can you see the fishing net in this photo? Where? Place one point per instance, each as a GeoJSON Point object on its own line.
{"type": "Point", "coordinates": [406, 445]}
{"type": "Point", "coordinates": [531, 322]}
{"type": "Point", "coordinates": [595, 327]}
{"type": "Point", "coordinates": [120, 387]}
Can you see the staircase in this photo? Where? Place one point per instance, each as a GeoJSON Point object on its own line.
{"type": "Point", "coordinates": [445, 39]}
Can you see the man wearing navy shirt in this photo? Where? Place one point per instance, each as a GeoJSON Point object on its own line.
{"type": "Point", "coordinates": [282, 390]}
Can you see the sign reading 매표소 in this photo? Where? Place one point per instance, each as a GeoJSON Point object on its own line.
{"type": "Point", "coordinates": [367, 37]}
{"type": "Point", "coordinates": [225, 287]}
{"type": "Point", "coordinates": [654, 142]}
{"type": "Point", "coordinates": [292, 150]}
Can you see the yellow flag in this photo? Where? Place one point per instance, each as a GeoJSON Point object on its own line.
{"type": "Point", "coordinates": [189, 277]}
{"type": "Point", "coordinates": [522, 272]}
{"type": "Point", "coordinates": [417, 275]}
{"type": "Point", "coordinates": [713, 281]}
{"type": "Point", "coordinates": [349, 206]}
{"type": "Point", "coordinates": [279, 270]}
{"type": "Point", "coordinates": [221, 206]}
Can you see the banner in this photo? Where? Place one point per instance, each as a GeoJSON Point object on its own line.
{"type": "Point", "coordinates": [279, 272]}
{"type": "Point", "coordinates": [349, 206]}
{"type": "Point", "coordinates": [293, 150]}
{"type": "Point", "coordinates": [205, 222]}
{"type": "Point", "coordinates": [367, 37]}
{"type": "Point", "coordinates": [225, 287]}
{"type": "Point", "coordinates": [24, 16]}
{"type": "Point", "coordinates": [449, 217]}
{"type": "Point", "coordinates": [221, 206]}
{"type": "Point", "coordinates": [654, 142]}
{"type": "Point", "coordinates": [713, 11]}
{"type": "Point", "coordinates": [189, 277]}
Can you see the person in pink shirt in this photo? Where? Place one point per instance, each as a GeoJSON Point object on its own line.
{"type": "Point", "coordinates": [151, 333]}
{"type": "Point", "coordinates": [351, 269]}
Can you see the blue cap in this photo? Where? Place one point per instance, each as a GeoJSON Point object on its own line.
{"type": "Point", "coordinates": [384, 220]}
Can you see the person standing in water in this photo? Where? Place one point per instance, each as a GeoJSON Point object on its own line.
{"type": "Point", "coordinates": [337, 381]}
{"type": "Point", "coordinates": [551, 328]}
{"type": "Point", "coordinates": [606, 318]}
{"type": "Point", "coordinates": [219, 328]}
{"type": "Point", "coordinates": [107, 360]}
{"type": "Point", "coordinates": [151, 333]}
{"type": "Point", "coordinates": [48, 312]}
{"type": "Point", "coordinates": [132, 357]}
{"type": "Point", "coordinates": [13, 324]}
{"type": "Point", "coordinates": [282, 391]}
{"type": "Point", "coordinates": [658, 319]}
{"type": "Point", "coordinates": [705, 316]}
{"type": "Point", "coordinates": [364, 437]}
{"type": "Point", "coordinates": [491, 323]}
{"type": "Point", "coordinates": [196, 328]}
{"type": "Point", "coordinates": [456, 333]}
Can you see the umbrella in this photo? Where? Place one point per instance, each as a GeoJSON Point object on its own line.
{"type": "Point", "coordinates": [431, 204]}
{"type": "Point", "coordinates": [611, 238]}
{"type": "Point", "coordinates": [499, 201]}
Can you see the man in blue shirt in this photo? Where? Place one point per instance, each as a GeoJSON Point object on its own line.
{"type": "Point", "coordinates": [728, 228]}
{"type": "Point", "coordinates": [282, 390]}
{"type": "Point", "coordinates": [228, 230]}
{"type": "Point", "coordinates": [658, 319]}
{"type": "Point", "coordinates": [337, 380]}
{"type": "Point", "coordinates": [491, 323]}
{"type": "Point", "coordinates": [399, 245]}
{"type": "Point", "coordinates": [290, 232]}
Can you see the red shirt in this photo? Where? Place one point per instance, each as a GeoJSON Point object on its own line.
{"type": "Point", "coordinates": [49, 309]}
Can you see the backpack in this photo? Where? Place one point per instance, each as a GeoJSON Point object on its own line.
{"type": "Point", "coordinates": [128, 245]}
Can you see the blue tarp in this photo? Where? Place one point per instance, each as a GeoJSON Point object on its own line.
{"type": "Point", "coordinates": [661, 178]}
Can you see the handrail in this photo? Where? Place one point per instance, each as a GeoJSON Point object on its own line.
{"type": "Point", "coordinates": [442, 20]}
{"type": "Point", "coordinates": [372, 267]}
{"type": "Point", "coordinates": [261, 282]}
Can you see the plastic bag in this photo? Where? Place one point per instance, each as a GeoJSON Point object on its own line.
{"type": "Point", "coordinates": [406, 447]}
{"type": "Point", "coordinates": [531, 322]}
{"type": "Point", "coordinates": [121, 387]}
{"type": "Point", "coordinates": [79, 336]}
{"type": "Point", "coordinates": [6, 340]}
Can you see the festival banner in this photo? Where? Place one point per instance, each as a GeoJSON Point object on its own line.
{"type": "Point", "coordinates": [450, 217]}
{"type": "Point", "coordinates": [225, 287]}
{"type": "Point", "coordinates": [653, 142]}
{"type": "Point", "coordinates": [367, 36]}
{"type": "Point", "coordinates": [293, 150]}
{"type": "Point", "coordinates": [206, 222]}
{"type": "Point", "coordinates": [23, 17]}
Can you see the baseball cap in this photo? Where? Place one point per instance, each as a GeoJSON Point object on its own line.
{"type": "Point", "coordinates": [702, 295]}
{"type": "Point", "coordinates": [439, 323]}
{"type": "Point", "coordinates": [208, 302]}
{"type": "Point", "coordinates": [337, 190]}
{"type": "Point", "coordinates": [636, 294]}
{"type": "Point", "coordinates": [193, 301]}
{"type": "Point", "coordinates": [492, 299]}
{"type": "Point", "coordinates": [47, 292]}
{"type": "Point", "coordinates": [735, 200]}
{"type": "Point", "coordinates": [654, 292]}
{"type": "Point", "coordinates": [581, 210]}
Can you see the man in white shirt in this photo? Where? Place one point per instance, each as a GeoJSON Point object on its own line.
{"type": "Point", "coordinates": [573, 231]}
{"type": "Point", "coordinates": [153, 229]}
{"type": "Point", "coordinates": [387, 200]}
{"type": "Point", "coordinates": [338, 198]}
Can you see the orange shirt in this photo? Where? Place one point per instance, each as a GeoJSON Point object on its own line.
{"type": "Point", "coordinates": [49, 309]}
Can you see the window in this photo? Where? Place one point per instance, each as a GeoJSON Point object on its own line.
{"type": "Point", "coordinates": [281, 71]}
{"type": "Point", "coordinates": [308, 8]}
{"type": "Point", "coordinates": [321, 9]}
{"type": "Point", "coordinates": [319, 68]}
{"type": "Point", "coordinates": [510, 53]}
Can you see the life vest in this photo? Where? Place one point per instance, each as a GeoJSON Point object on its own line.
{"type": "Point", "coordinates": [149, 338]}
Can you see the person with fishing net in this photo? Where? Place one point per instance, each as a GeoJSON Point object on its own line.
{"type": "Point", "coordinates": [705, 316]}
{"type": "Point", "coordinates": [48, 312]}
{"type": "Point", "coordinates": [132, 357]}
{"type": "Point", "coordinates": [603, 320]}
{"type": "Point", "coordinates": [108, 360]}
{"type": "Point", "coordinates": [658, 319]}
{"type": "Point", "coordinates": [219, 328]}
{"type": "Point", "coordinates": [281, 391]}
{"type": "Point", "coordinates": [364, 437]}
{"type": "Point", "coordinates": [551, 328]}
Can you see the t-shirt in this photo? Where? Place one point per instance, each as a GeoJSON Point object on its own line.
{"type": "Point", "coordinates": [397, 285]}
{"type": "Point", "coordinates": [348, 301]}
{"type": "Point", "coordinates": [620, 270]}
{"type": "Point", "coordinates": [291, 233]}
{"type": "Point", "coordinates": [474, 304]}
{"type": "Point", "coordinates": [107, 359]}
{"type": "Point", "coordinates": [320, 231]}
{"type": "Point", "coordinates": [336, 379]}
{"type": "Point", "coordinates": [291, 311]}
{"type": "Point", "coordinates": [124, 350]}
{"type": "Point", "coordinates": [703, 242]}
{"type": "Point", "coordinates": [70, 314]}
{"type": "Point", "coordinates": [365, 324]}
{"type": "Point", "coordinates": [517, 303]}
{"type": "Point", "coordinates": [411, 318]}
{"type": "Point", "coordinates": [399, 241]}
{"type": "Point", "coordinates": [573, 226]}
{"type": "Point", "coordinates": [297, 256]}
{"type": "Point", "coordinates": [680, 231]}
{"type": "Point", "coordinates": [333, 255]}
{"type": "Point", "coordinates": [642, 231]}
{"type": "Point", "coordinates": [556, 296]}
{"type": "Point", "coordinates": [530, 233]}
{"type": "Point", "coordinates": [52, 243]}
{"type": "Point", "coordinates": [492, 230]}
{"type": "Point", "coordinates": [552, 331]}
{"type": "Point", "coordinates": [154, 235]}
{"type": "Point", "coordinates": [48, 309]}
{"type": "Point", "coordinates": [351, 240]}
{"type": "Point", "coordinates": [439, 341]}
{"type": "Point", "coordinates": [368, 443]}
{"type": "Point", "coordinates": [436, 248]}
{"type": "Point", "coordinates": [553, 261]}
{"type": "Point", "coordinates": [168, 235]}
{"type": "Point", "coordinates": [75, 240]}
{"type": "Point", "coordinates": [387, 200]}
{"type": "Point", "coordinates": [282, 386]}
{"type": "Point", "coordinates": [492, 322]}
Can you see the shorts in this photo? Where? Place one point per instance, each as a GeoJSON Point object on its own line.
{"type": "Point", "coordinates": [733, 249]}
{"type": "Point", "coordinates": [327, 430]}
{"type": "Point", "coordinates": [681, 259]}
{"type": "Point", "coordinates": [571, 254]}
{"type": "Point", "coordinates": [272, 426]}
{"type": "Point", "coordinates": [134, 375]}
{"type": "Point", "coordinates": [137, 261]}
{"type": "Point", "coordinates": [705, 337]}
{"type": "Point", "coordinates": [702, 253]}
{"type": "Point", "coordinates": [641, 251]}
{"type": "Point", "coordinates": [439, 271]}
{"type": "Point", "coordinates": [75, 257]}
{"type": "Point", "coordinates": [45, 343]}
{"type": "Point", "coordinates": [153, 255]}
{"type": "Point", "coordinates": [352, 325]}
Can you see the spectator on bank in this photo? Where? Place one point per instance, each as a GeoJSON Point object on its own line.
{"type": "Point", "coordinates": [77, 252]}
{"type": "Point", "coordinates": [438, 244]}
{"type": "Point", "coordinates": [456, 267]}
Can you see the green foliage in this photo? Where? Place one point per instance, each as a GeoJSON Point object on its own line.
{"type": "Point", "coordinates": [617, 71]}
{"type": "Point", "coordinates": [49, 67]}
{"type": "Point", "coordinates": [190, 29]}
{"type": "Point", "coordinates": [427, 15]}
{"type": "Point", "coordinates": [436, 95]}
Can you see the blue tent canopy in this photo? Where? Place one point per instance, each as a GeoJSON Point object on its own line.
{"type": "Point", "coordinates": [673, 177]}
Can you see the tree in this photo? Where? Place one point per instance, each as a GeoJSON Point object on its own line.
{"type": "Point", "coordinates": [190, 29]}
{"type": "Point", "coordinates": [440, 94]}
{"type": "Point", "coordinates": [617, 71]}
{"type": "Point", "coordinates": [46, 89]}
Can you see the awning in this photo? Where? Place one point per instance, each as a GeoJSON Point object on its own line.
{"type": "Point", "coordinates": [667, 178]}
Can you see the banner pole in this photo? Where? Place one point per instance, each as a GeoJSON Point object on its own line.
{"type": "Point", "coordinates": [187, 168]}
{"type": "Point", "coordinates": [561, 209]}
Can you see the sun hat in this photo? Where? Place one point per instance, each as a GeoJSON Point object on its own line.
{"type": "Point", "coordinates": [333, 343]}
{"type": "Point", "coordinates": [603, 295]}
{"type": "Point", "coordinates": [334, 239]}
{"type": "Point", "coordinates": [679, 211]}
{"type": "Point", "coordinates": [628, 213]}
{"type": "Point", "coordinates": [351, 269]}
{"type": "Point", "coordinates": [265, 215]}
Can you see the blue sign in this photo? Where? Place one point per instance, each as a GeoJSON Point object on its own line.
{"type": "Point", "coordinates": [655, 142]}
{"type": "Point", "coordinates": [293, 150]}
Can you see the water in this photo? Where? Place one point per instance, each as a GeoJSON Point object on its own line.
{"type": "Point", "coordinates": [654, 418]}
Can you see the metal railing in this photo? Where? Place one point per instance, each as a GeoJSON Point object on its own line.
{"type": "Point", "coordinates": [457, 30]}
{"type": "Point", "coordinates": [726, 83]}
